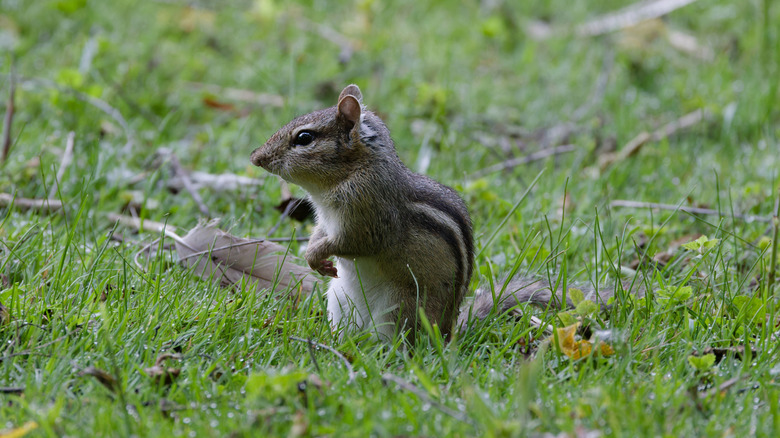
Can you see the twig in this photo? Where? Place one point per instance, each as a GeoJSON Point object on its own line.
{"type": "Point", "coordinates": [185, 180]}
{"type": "Point", "coordinates": [16, 390]}
{"type": "Point", "coordinates": [43, 205]}
{"type": "Point", "coordinates": [67, 158]}
{"type": "Point", "coordinates": [138, 224]}
{"type": "Point", "coordinates": [289, 239]}
{"type": "Point", "coordinates": [629, 16]}
{"type": "Point", "coordinates": [723, 386]}
{"type": "Point", "coordinates": [347, 365]}
{"type": "Point", "coordinates": [691, 210]}
{"type": "Point", "coordinates": [635, 145]}
{"type": "Point", "coordinates": [427, 398]}
{"type": "Point", "coordinates": [218, 182]}
{"type": "Point", "coordinates": [9, 116]}
{"type": "Point", "coordinates": [536, 156]}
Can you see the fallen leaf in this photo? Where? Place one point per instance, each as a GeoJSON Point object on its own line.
{"type": "Point", "coordinates": [101, 376]}
{"type": "Point", "coordinates": [163, 375]}
{"type": "Point", "coordinates": [212, 102]}
{"type": "Point", "coordinates": [229, 260]}
{"type": "Point", "coordinates": [577, 349]}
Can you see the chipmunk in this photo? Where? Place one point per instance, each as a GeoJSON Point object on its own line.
{"type": "Point", "coordinates": [401, 241]}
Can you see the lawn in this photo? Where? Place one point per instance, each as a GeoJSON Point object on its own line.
{"type": "Point", "coordinates": [558, 122]}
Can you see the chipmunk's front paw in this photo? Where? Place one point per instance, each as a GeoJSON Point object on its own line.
{"type": "Point", "coordinates": [326, 268]}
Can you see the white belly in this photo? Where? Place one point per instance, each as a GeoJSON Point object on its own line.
{"type": "Point", "coordinates": [360, 300]}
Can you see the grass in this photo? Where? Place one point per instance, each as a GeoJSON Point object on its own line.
{"type": "Point", "coordinates": [461, 89]}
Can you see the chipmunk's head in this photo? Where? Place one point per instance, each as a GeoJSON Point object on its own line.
{"type": "Point", "coordinates": [323, 148]}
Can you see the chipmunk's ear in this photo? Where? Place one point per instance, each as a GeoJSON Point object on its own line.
{"type": "Point", "coordinates": [349, 110]}
{"type": "Point", "coordinates": [351, 90]}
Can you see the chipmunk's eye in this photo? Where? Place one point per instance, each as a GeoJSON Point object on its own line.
{"type": "Point", "coordinates": [303, 138]}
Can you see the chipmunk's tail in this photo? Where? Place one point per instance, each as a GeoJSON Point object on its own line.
{"type": "Point", "coordinates": [536, 291]}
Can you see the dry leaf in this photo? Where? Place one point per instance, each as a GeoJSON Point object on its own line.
{"type": "Point", "coordinates": [101, 376]}
{"type": "Point", "coordinates": [574, 349]}
{"type": "Point", "coordinates": [162, 375]}
{"type": "Point", "coordinates": [228, 260]}
{"type": "Point", "coordinates": [212, 102]}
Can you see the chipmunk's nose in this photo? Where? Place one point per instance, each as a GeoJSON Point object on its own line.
{"type": "Point", "coordinates": [259, 158]}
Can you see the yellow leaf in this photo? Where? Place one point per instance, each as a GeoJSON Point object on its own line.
{"type": "Point", "coordinates": [606, 349]}
{"type": "Point", "coordinates": [566, 344]}
{"type": "Point", "coordinates": [20, 431]}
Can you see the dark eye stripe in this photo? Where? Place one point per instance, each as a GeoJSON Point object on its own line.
{"type": "Point", "coordinates": [303, 138]}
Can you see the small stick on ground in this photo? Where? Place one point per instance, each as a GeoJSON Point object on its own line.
{"type": "Point", "coordinates": [536, 156]}
{"type": "Point", "coordinates": [147, 225]}
{"type": "Point", "coordinates": [691, 210]}
{"type": "Point", "coordinates": [723, 387]}
{"type": "Point", "coordinates": [42, 205]}
{"type": "Point", "coordinates": [347, 365]}
{"type": "Point", "coordinates": [629, 16]}
{"type": "Point", "coordinates": [15, 390]}
{"type": "Point", "coordinates": [635, 145]}
{"type": "Point", "coordinates": [179, 171]}
{"type": "Point", "coordinates": [67, 158]}
{"type": "Point", "coordinates": [9, 116]}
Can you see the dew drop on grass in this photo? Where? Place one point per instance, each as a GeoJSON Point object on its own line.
{"type": "Point", "coordinates": [386, 415]}
{"type": "Point", "coordinates": [214, 423]}
{"type": "Point", "coordinates": [426, 407]}
{"type": "Point", "coordinates": [186, 420]}
{"type": "Point", "coordinates": [230, 415]}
